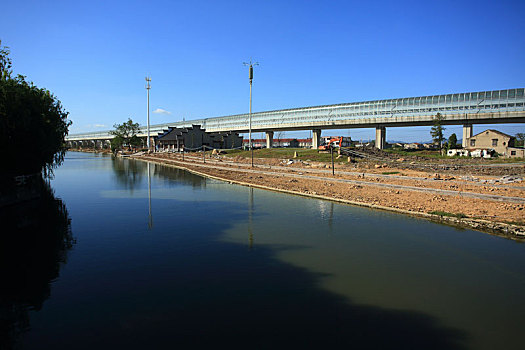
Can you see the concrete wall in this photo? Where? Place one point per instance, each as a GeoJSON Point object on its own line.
{"type": "Point", "coordinates": [513, 152]}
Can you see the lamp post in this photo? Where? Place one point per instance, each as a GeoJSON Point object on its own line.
{"type": "Point", "coordinates": [250, 76]}
{"type": "Point", "coordinates": [148, 87]}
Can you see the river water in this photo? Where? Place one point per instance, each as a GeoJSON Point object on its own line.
{"type": "Point", "coordinates": [146, 256]}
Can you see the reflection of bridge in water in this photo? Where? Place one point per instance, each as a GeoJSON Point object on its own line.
{"type": "Point", "coordinates": [487, 107]}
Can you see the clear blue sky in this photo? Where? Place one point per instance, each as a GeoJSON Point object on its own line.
{"type": "Point", "coordinates": [94, 55]}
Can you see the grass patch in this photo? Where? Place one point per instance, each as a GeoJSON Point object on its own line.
{"type": "Point", "coordinates": [426, 153]}
{"type": "Point", "coordinates": [280, 153]}
{"type": "Point", "coordinates": [390, 172]}
{"type": "Point", "coordinates": [445, 213]}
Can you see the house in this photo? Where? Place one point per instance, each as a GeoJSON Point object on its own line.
{"type": "Point", "coordinates": [305, 143]}
{"type": "Point", "coordinates": [256, 143]}
{"type": "Point", "coordinates": [194, 138]}
{"type": "Point", "coordinates": [226, 140]}
{"type": "Point", "coordinates": [286, 143]}
{"type": "Point", "coordinates": [413, 145]}
{"type": "Point", "coordinates": [495, 140]}
{"type": "Point", "coordinates": [430, 146]}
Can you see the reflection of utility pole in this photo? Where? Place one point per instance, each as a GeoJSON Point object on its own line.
{"type": "Point", "coordinates": [250, 125]}
{"type": "Point", "coordinates": [148, 87]}
{"type": "Point", "coordinates": [331, 216]}
{"type": "Point", "coordinates": [150, 217]}
{"type": "Point", "coordinates": [250, 214]}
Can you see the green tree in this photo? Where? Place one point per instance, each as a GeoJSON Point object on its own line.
{"type": "Point", "coordinates": [125, 135]}
{"type": "Point", "coordinates": [437, 130]}
{"type": "Point", "coordinates": [33, 124]}
{"type": "Point", "coordinates": [452, 141]}
{"type": "Point", "coordinates": [520, 139]}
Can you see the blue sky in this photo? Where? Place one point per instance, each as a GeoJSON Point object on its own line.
{"type": "Point", "coordinates": [94, 55]}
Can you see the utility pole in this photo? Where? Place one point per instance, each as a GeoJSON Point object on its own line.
{"type": "Point", "coordinates": [148, 87]}
{"type": "Point", "coordinates": [250, 76]}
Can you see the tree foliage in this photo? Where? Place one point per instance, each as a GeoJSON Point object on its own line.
{"type": "Point", "coordinates": [437, 130]}
{"type": "Point", "coordinates": [452, 141]}
{"type": "Point", "coordinates": [520, 139]}
{"type": "Point", "coordinates": [33, 124]}
{"type": "Point", "coordinates": [125, 135]}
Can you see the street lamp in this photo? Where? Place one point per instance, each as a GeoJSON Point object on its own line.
{"type": "Point", "coordinates": [250, 76]}
{"type": "Point", "coordinates": [148, 87]}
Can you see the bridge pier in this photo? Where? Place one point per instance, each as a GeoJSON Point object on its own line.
{"type": "Point", "coordinates": [316, 138]}
{"type": "Point", "coordinates": [380, 137]}
{"type": "Point", "coordinates": [269, 139]}
{"type": "Point", "coordinates": [467, 133]}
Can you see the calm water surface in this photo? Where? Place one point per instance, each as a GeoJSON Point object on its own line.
{"type": "Point", "coordinates": [172, 259]}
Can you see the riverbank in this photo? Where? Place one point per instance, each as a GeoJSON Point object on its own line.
{"type": "Point", "coordinates": [495, 208]}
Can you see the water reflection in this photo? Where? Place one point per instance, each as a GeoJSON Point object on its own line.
{"type": "Point", "coordinates": [150, 216]}
{"type": "Point", "coordinates": [128, 173]}
{"type": "Point", "coordinates": [34, 244]}
{"type": "Point", "coordinates": [326, 210]}
{"type": "Point", "coordinates": [250, 220]}
{"type": "Point", "coordinates": [167, 173]}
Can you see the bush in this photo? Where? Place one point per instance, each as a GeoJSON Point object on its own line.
{"type": "Point", "coordinates": [33, 124]}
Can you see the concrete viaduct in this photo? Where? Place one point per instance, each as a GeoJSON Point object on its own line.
{"type": "Point", "coordinates": [485, 107]}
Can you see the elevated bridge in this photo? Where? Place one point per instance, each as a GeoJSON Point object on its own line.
{"type": "Point", "coordinates": [485, 107]}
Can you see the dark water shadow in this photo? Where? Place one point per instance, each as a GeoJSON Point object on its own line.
{"type": "Point", "coordinates": [271, 304]}
{"type": "Point", "coordinates": [34, 242]}
{"type": "Point", "coordinates": [224, 293]}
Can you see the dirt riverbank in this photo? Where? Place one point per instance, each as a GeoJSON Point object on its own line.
{"type": "Point", "coordinates": [491, 204]}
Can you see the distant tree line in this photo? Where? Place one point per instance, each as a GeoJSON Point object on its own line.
{"type": "Point", "coordinates": [33, 124]}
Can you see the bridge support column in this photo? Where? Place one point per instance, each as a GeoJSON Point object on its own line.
{"type": "Point", "coordinates": [380, 137]}
{"type": "Point", "coordinates": [316, 138]}
{"type": "Point", "coordinates": [269, 139]}
{"type": "Point", "coordinates": [467, 133]}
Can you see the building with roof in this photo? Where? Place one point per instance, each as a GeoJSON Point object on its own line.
{"type": "Point", "coordinates": [498, 141]}
{"type": "Point", "coordinates": [194, 138]}
{"type": "Point", "coordinates": [413, 145]}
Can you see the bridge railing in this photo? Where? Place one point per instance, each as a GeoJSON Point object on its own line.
{"type": "Point", "coordinates": [475, 102]}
